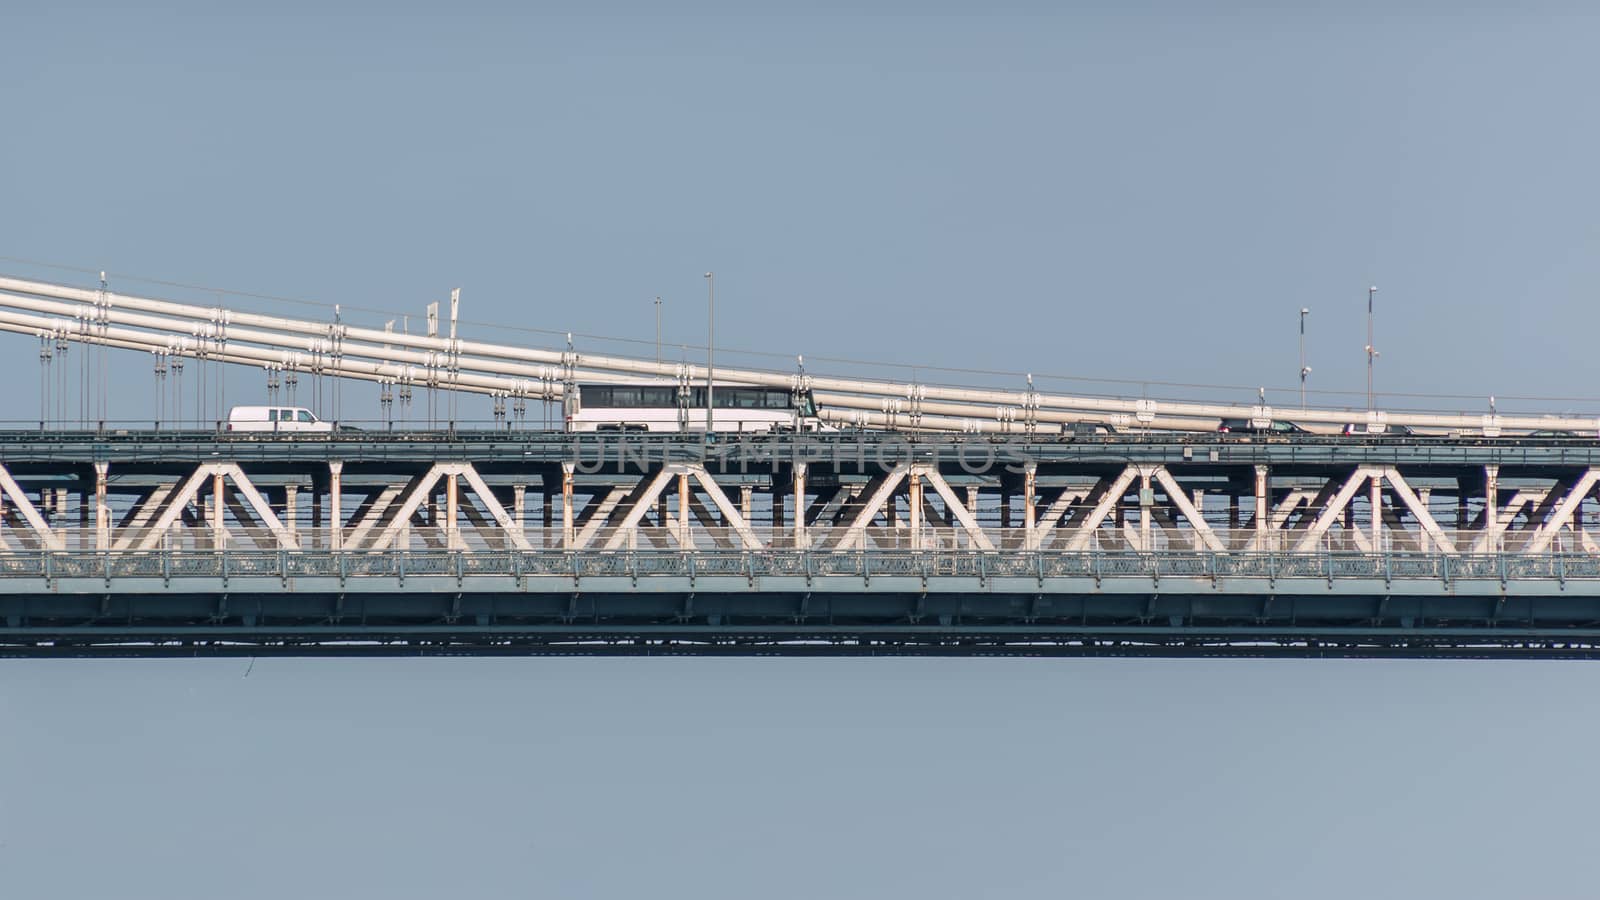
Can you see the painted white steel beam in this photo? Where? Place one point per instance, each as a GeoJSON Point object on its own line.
{"type": "Point", "coordinates": [49, 538]}
{"type": "Point", "coordinates": [1334, 508]}
{"type": "Point", "coordinates": [1180, 498]}
{"type": "Point", "coordinates": [1562, 516]}
{"type": "Point", "coordinates": [969, 522]}
{"type": "Point", "coordinates": [1112, 494]}
{"type": "Point", "coordinates": [1419, 510]}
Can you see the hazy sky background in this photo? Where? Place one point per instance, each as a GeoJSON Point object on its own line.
{"type": "Point", "coordinates": [1138, 191]}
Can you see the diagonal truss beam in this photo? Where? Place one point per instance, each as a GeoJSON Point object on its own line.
{"type": "Point", "coordinates": [855, 535]}
{"type": "Point", "coordinates": [413, 495]}
{"type": "Point", "coordinates": [1114, 491]}
{"type": "Point", "coordinates": [730, 512]}
{"type": "Point", "coordinates": [422, 486]}
{"type": "Point", "coordinates": [1334, 508]}
{"type": "Point", "coordinates": [52, 540]}
{"type": "Point", "coordinates": [956, 508]}
{"type": "Point", "coordinates": [486, 498]}
{"type": "Point", "coordinates": [1546, 532]}
{"type": "Point", "coordinates": [242, 486]}
{"type": "Point", "coordinates": [641, 504]}
{"type": "Point", "coordinates": [1180, 499]}
{"type": "Point", "coordinates": [370, 514]}
{"type": "Point", "coordinates": [1497, 521]}
{"type": "Point", "coordinates": [1419, 510]}
{"type": "Point", "coordinates": [595, 516]}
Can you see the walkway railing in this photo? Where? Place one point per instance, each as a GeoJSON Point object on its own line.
{"type": "Point", "coordinates": [283, 564]}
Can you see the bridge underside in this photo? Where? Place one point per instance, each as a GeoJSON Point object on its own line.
{"type": "Point", "coordinates": [801, 604]}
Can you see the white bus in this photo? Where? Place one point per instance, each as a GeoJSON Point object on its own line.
{"type": "Point", "coordinates": [668, 406]}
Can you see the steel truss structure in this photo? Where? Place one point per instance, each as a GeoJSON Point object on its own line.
{"type": "Point", "coordinates": [540, 542]}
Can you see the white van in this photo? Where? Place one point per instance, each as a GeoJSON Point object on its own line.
{"type": "Point", "coordinates": [277, 419]}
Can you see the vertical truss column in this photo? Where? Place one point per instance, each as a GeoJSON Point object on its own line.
{"type": "Point", "coordinates": [1146, 506]}
{"type": "Point", "coordinates": [1488, 541]}
{"type": "Point", "coordinates": [1030, 487]}
{"type": "Point", "coordinates": [1375, 501]}
{"type": "Point", "coordinates": [102, 514]}
{"type": "Point", "coordinates": [568, 533]}
{"type": "Point", "coordinates": [452, 511]}
{"type": "Point", "coordinates": [547, 511]}
{"type": "Point", "coordinates": [685, 540]}
{"type": "Point", "coordinates": [915, 488]}
{"type": "Point", "coordinates": [1425, 500]}
{"type": "Point", "coordinates": [218, 530]}
{"type": "Point", "coordinates": [290, 491]}
{"type": "Point", "coordinates": [335, 505]}
{"type": "Point", "coordinates": [1263, 508]}
{"type": "Point", "coordinates": [800, 540]}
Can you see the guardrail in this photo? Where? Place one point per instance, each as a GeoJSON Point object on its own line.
{"type": "Point", "coordinates": [284, 564]}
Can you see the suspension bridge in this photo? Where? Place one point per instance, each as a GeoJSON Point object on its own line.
{"type": "Point", "coordinates": [935, 520]}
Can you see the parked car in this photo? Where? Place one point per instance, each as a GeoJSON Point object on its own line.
{"type": "Point", "coordinates": [1248, 426]}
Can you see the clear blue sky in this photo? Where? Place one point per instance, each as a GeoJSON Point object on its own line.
{"type": "Point", "coordinates": [1133, 191]}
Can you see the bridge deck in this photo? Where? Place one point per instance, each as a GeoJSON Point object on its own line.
{"type": "Point", "coordinates": [246, 602]}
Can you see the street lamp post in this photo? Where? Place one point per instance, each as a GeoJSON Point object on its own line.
{"type": "Point", "coordinates": [1304, 369]}
{"type": "Point", "coordinates": [658, 329]}
{"type": "Point", "coordinates": [711, 326]}
{"type": "Point", "coordinates": [1371, 351]}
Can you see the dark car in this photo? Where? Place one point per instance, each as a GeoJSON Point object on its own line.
{"type": "Point", "coordinates": [1073, 430]}
{"type": "Point", "coordinates": [1248, 426]}
{"type": "Point", "coordinates": [1355, 430]}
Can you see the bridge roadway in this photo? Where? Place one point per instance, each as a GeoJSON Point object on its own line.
{"type": "Point", "coordinates": [593, 449]}
{"type": "Point", "coordinates": [853, 543]}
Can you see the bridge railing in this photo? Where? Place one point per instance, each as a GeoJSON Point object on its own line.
{"type": "Point", "coordinates": [698, 537]}
{"type": "Point", "coordinates": [284, 564]}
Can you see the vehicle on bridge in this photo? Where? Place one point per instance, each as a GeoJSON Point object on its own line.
{"type": "Point", "coordinates": [1563, 433]}
{"type": "Point", "coordinates": [1075, 430]}
{"type": "Point", "coordinates": [1368, 429]}
{"type": "Point", "coordinates": [1259, 426]}
{"type": "Point", "coordinates": [277, 420]}
{"type": "Point", "coordinates": [674, 407]}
